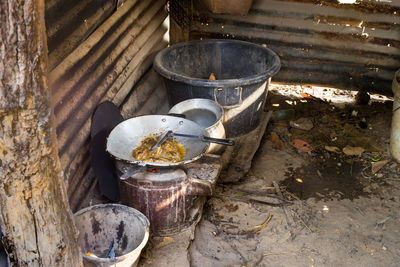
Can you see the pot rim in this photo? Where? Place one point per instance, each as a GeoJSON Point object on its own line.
{"type": "Point", "coordinates": [137, 250]}
{"type": "Point", "coordinates": [112, 134]}
{"type": "Point", "coordinates": [260, 77]}
{"type": "Point", "coordinates": [205, 100]}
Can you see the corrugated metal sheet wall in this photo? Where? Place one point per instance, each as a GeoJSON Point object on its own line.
{"type": "Point", "coordinates": [350, 46]}
{"type": "Point", "coordinates": [98, 52]}
{"type": "Point", "coordinates": [68, 23]}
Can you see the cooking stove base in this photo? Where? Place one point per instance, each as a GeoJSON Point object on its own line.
{"type": "Point", "coordinates": [171, 198]}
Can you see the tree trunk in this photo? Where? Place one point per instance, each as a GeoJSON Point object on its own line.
{"type": "Point", "coordinates": [35, 219]}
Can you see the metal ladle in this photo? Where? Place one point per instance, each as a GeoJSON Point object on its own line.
{"type": "Point", "coordinates": [164, 137]}
{"type": "Point", "coordinates": [200, 137]}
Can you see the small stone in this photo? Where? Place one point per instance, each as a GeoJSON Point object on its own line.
{"type": "Point", "coordinates": [303, 124]}
{"type": "Point", "coordinates": [384, 248]}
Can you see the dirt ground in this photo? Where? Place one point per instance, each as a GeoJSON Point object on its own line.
{"type": "Point", "coordinates": [321, 196]}
{"type": "Point", "coordinates": [322, 191]}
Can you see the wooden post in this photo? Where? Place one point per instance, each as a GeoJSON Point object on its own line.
{"type": "Point", "coordinates": [35, 216]}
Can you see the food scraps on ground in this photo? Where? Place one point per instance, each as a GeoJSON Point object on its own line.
{"type": "Point", "coordinates": [276, 141]}
{"type": "Point", "coordinates": [353, 151]}
{"type": "Point", "coordinates": [169, 151]}
{"type": "Point", "coordinates": [302, 145]}
{"type": "Point", "coordinates": [334, 149]}
{"type": "Point", "coordinates": [376, 166]}
{"type": "Point", "coordinates": [259, 227]}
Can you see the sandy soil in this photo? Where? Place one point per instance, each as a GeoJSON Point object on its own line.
{"type": "Point", "coordinates": [295, 208]}
{"type": "Point", "coordinates": [317, 208]}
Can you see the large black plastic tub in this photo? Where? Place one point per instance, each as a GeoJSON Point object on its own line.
{"type": "Point", "coordinates": [242, 72]}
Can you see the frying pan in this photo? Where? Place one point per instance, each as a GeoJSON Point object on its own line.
{"type": "Point", "coordinates": [128, 135]}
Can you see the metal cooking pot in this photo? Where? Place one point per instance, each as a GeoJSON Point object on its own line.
{"type": "Point", "coordinates": [207, 113]}
{"type": "Point", "coordinates": [128, 135]}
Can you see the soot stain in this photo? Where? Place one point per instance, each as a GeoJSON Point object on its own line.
{"type": "Point", "coordinates": [124, 242]}
{"type": "Point", "coordinates": [86, 241]}
{"type": "Point", "coordinates": [328, 180]}
{"type": "Point", "coordinates": [114, 210]}
{"type": "Point", "coordinates": [120, 230]}
{"type": "Point", "coordinates": [95, 224]}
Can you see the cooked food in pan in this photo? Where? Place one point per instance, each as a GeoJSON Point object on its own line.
{"type": "Point", "coordinates": [169, 151]}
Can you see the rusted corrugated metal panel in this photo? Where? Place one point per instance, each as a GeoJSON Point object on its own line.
{"type": "Point", "coordinates": [69, 23]}
{"type": "Point", "coordinates": [106, 66]}
{"type": "Point", "coordinates": [147, 97]}
{"type": "Point", "coordinates": [350, 46]}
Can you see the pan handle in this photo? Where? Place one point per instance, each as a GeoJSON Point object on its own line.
{"type": "Point", "coordinates": [183, 116]}
{"type": "Point", "coordinates": [207, 139]}
{"type": "Point", "coordinates": [226, 142]}
{"type": "Point", "coordinates": [131, 171]}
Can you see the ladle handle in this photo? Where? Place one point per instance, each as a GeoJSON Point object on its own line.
{"type": "Point", "coordinates": [131, 171]}
{"type": "Point", "coordinates": [207, 139]}
{"type": "Point", "coordinates": [226, 142]}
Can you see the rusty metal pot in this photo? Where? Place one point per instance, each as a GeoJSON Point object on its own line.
{"type": "Point", "coordinates": [167, 197]}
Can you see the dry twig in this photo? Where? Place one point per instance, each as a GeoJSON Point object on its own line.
{"type": "Point", "coordinates": [259, 227]}
{"type": "Point", "coordinates": [278, 191]}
